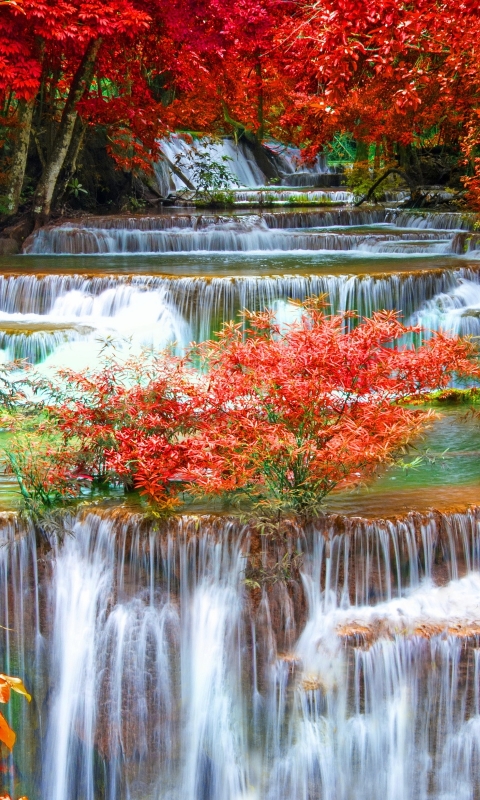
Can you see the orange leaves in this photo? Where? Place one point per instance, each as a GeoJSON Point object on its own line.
{"type": "Point", "coordinates": [7, 797]}
{"type": "Point", "coordinates": [8, 684]}
{"type": "Point", "coordinates": [7, 736]}
{"type": "Point", "coordinates": [283, 416]}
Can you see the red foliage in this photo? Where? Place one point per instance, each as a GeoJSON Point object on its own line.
{"type": "Point", "coordinates": [129, 423]}
{"type": "Point", "coordinates": [291, 415]}
{"type": "Point", "coordinates": [383, 70]}
{"type": "Point", "coordinates": [283, 417]}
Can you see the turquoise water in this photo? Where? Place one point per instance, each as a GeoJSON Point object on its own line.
{"type": "Point", "coordinates": [218, 265]}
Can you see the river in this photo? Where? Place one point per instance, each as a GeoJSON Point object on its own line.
{"type": "Point", "coordinates": [201, 661]}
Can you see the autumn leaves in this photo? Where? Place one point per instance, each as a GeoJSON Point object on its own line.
{"type": "Point", "coordinates": [275, 418]}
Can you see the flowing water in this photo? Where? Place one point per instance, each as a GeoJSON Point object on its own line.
{"type": "Point", "coordinates": [157, 672]}
{"type": "Point", "coordinates": [203, 662]}
{"type": "Point", "coordinates": [240, 162]}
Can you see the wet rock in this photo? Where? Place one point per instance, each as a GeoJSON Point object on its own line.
{"type": "Point", "coordinates": [8, 247]}
{"type": "Point", "coordinates": [19, 230]}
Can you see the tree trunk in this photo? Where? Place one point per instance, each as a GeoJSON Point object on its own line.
{"type": "Point", "coordinates": [19, 162]}
{"type": "Point", "coordinates": [178, 172]}
{"type": "Point", "coordinates": [391, 171]}
{"type": "Point", "coordinates": [80, 84]}
{"type": "Point", "coordinates": [70, 163]}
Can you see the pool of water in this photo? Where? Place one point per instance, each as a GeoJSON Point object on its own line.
{"type": "Point", "coordinates": [207, 265]}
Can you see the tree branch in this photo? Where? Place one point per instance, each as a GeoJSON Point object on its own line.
{"type": "Point", "coordinates": [391, 171]}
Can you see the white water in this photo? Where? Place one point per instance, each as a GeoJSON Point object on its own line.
{"type": "Point", "coordinates": [457, 310]}
{"type": "Point", "coordinates": [166, 681]}
{"type": "Point", "coordinates": [62, 320]}
{"type": "Point", "coordinates": [246, 233]}
{"type": "Point", "coordinates": [240, 163]}
{"type": "Point", "coordinates": [157, 673]}
{"type": "Point", "coordinates": [291, 166]}
{"type": "Point", "coordinates": [128, 317]}
{"type": "Point", "coordinates": [442, 220]}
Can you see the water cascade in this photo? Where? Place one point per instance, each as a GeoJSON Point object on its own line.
{"type": "Point", "coordinates": [53, 316]}
{"type": "Point", "coordinates": [195, 659]}
{"type": "Point", "coordinates": [40, 315]}
{"type": "Point", "coordinates": [171, 233]}
{"type": "Point", "coordinates": [240, 161]}
{"type": "Point", "coordinates": [158, 672]}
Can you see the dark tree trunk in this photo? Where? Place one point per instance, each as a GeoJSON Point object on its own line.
{"type": "Point", "coordinates": [267, 165]}
{"type": "Point", "coordinates": [81, 82]}
{"type": "Point", "coordinates": [392, 171]}
{"type": "Point", "coordinates": [70, 164]}
{"type": "Point", "coordinates": [19, 162]}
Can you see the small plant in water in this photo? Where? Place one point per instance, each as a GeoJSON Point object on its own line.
{"type": "Point", "coordinates": [212, 178]}
{"type": "Point", "coordinates": [220, 198]}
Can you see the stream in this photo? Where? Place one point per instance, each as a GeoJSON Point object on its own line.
{"type": "Point", "coordinates": [203, 662]}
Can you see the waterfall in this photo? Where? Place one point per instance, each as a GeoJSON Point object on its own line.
{"type": "Point", "coordinates": [294, 172]}
{"type": "Point", "coordinates": [36, 345]}
{"type": "Point", "coordinates": [158, 672]}
{"type": "Point", "coordinates": [59, 317]}
{"type": "Point", "coordinates": [244, 233]}
{"type": "Point", "coordinates": [457, 310]}
{"type": "Point", "coordinates": [324, 218]}
{"type": "Point", "coordinates": [441, 220]}
{"type": "Point", "coordinates": [231, 237]}
{"type": "Point", "coordinates": [241, 163]}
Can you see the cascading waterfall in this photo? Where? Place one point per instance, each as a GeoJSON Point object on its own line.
{"type": "Point", "coordinates": [247, 234]}
{"type": "Point", "coordinates": [457, 310]}
{"type": "Point", "coordinates": [197, 660]}
{"type": "Point", "coordinates": [443, 220]}
{"type": "Point", "coordinates": [71, 317]}
{"type": "Point", "coordinates": [241, 163]}
{"type": "Point", "coordinates": [45, 317]}
{"type": "Point", "coordinates": [294, 172]}
{"type": "Point", "coordinates": [239, 159]}
{"type": "Point", "coordinates": [36, 345]}
{"type": "Point", "coordinates": [158, 672]}
{"type": "Point", "coordinates": [58, 319]}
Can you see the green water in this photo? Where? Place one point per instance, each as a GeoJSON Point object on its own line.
{"type": "Point", "coordinates": [226, 264]}
{"type": "Point", "coordinates": [448, 475]}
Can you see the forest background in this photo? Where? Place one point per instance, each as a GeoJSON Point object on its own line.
{"type": "Point", "coordinates": [87, 90]}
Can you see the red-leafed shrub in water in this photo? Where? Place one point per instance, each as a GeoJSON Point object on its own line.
{"type": "Point", "coordinates": [291, 415]}
{"type": "Point", "coordinates": [279, 416]}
